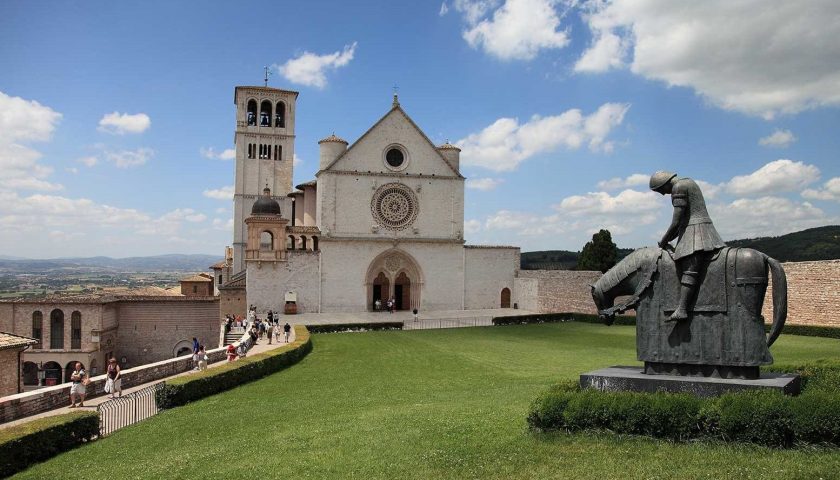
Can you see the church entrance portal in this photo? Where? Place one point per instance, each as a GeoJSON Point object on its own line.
{"type": "Point", "coordinates": [402, 292]}
{"type": "Point", "coordinates": [394, 275]}
{"type": "Point", "coordinates": [505, 298]}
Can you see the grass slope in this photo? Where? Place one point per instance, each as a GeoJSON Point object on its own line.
{"type": "Point", "coordinates": [425, 404]}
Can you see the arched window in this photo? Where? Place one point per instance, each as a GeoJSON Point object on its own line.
{"type": "Point", "coordinates": [252, 112]}
{"type": "Point", "coordinates": [280, 115]}
{"type": "Point", "coordinates": [57, 329]}
{"type": "Point", "coordinates": [266, 241]}
{"type": "Point", "coordinates": [314, 244]}
{"type": "Point", "coordinates": [38, 328]}
{"type": "Point", "coordinates": [278, 152]}
{"type": "Point", "coordinates": [505, 300]}
{"type": "Point", "coordinates": [30, 373]}
{"type": "Point", "coordinates": [76, 330]}
{"type": "Point", "coordinates": [250, 150]}
{"type": "Point", "coordinates": [290, 243]}
{"type": "Point", "coordinates": [265, 113]}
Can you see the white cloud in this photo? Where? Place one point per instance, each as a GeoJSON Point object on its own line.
{"type": "Point", "coordinates": [518, 30]}
{"type": "Point", "coordinates": [626, 202]}
{"type": "Point", "coordinates": [505, 144]}
{"type": "Point", "coordinates": [779, 138]}
{"type": "Point", "coordinates": [224, 193]}
{"type": "Point", "coordinates": [226, 154]}
{"type": "Point", "coordinates": [829, 191]}
{"type": "Point", "coordinates": [296, 161]}
{"type": "Point", "coordinates": [443, 9]}
{"type": "Point", "coordinates": [765, 216]}
{"type": "Point", "coordinates": [221, 210]}
{"type": "Point", "coordinates": [130, 158]}
{"type": "Point", "coordinates": [484, 184]}
{"type": "Point", "coordinates": [473, 10]}
{"type": "Point", "coordinates": [89, 161]}
{"type": "Point", "coordinates": [775, 177]}
{"type": "Point", "coordinates": [634, 180]}
{"type": "Point", "coordinates": [24, 121]}
{"type": "Point", "coordinates": [72, 170]}
{"type": "Point", "coordinates": [472, 226]}
{"type": "Point", "coordinates": [741, 56]}
{"type": "Point", "coordinates": [121, 123]}
{"type": "Point", "coordinates": [310, 69]}
{"type": "Point", "coordinates": [224, 225]}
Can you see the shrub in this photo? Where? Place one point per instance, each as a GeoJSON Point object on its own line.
{"type": "Point", "coordinates": [759, 416]}
{"type": "Point", "coordinates": [809, 331]}
{"type": "Point", "coordinates": [24, 445]}
{"type": "Point", "coordinates": [354, 327]}
{"type": "Point", "coordinates": [561, 317]}
{"type": "Point", "coordinates": [182, 390]}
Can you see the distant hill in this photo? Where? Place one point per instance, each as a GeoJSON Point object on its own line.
{"type": "Point", "coordinates": [158, 263]}
{"type": "Point", "coordinates": [821, 243]}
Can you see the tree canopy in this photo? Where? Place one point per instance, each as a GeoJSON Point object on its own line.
{"type": "Point", "coordinates": [599, 254]}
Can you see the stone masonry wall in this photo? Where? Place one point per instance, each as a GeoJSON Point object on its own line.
{"type": "Point", "coordinates": [813, 293]}
{"type": "Point", "coordinates": [556, 290]}
{"type": "Point", "coordinates": [9, 380]}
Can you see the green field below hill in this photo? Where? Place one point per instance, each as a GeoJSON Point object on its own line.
{"type": "Point", "coordinates": [425, 404]}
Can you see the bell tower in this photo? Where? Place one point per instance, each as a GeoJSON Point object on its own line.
{"type": "Point", "coordinates": [265, 152]}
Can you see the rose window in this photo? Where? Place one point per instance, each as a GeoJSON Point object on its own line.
{"type": "Point", "coordinates": [394, 206]}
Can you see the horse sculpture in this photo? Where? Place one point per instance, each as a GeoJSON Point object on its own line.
{"type": "Point", "coordinates": [724, 335]}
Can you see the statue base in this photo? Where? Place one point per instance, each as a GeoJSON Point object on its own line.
{"type": "Point", "coordinates": [706, 371]}
{"type": "Point", "coordinates": [633, 379]}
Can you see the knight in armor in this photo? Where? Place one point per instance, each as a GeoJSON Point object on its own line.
{"type": "Point", "coordinates": [697, 238]}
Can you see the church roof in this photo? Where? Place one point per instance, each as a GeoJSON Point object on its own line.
{"type": "Point", "coordinates": [398, 108]}
{"type": "Point", "coordinates": [311, 183]}
{"type": "Point", "coordinates": [236, 281]}
{"type": "Point", "coordinates": [265, 205]}
{"type": "Point", "coordinates": [10, 340]}
{"type": "Point", "coordinates": [296, 192]}
{"type": "Point", "coordinates": [332, 138]}
{"type": "Point", "coordinates": [219, 264]}
{"type": "Point", "coordinates": [196, 278]}
{"type": "Point", "coordinates": [448, 146]}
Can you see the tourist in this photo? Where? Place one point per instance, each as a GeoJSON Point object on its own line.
{"type": "Point", "coordinates": [231, 353]}
{"type": "Point", "coordinates": [254, 335]}
{"type": "Point", "coordinates": [195, 345]}
{"type": "Point", "coordinates": [262, 329]}
{"type": "Point", "coordinates": [195, 358]}
{"type": "Point", "coordinates": [114, 383]}
{"type": "Point", "coordinates": [252, 315]}
{"type": "Point", "coordinates": [270, 330]}
{"type": "Point", "coordinates": [377, 305]}
{"type": "Point", "coordinates": [77, 389]}
{"type": "Point", "coordinates": [228, 323]}
{"type": "Point", "coordinates": [202, 359]}
{"type": "Point", "coordinates": [270, 317]}
{"type": "Point", "coordinates": [286, 329]}
{"type": "Point", "coordinates": [415, 314]}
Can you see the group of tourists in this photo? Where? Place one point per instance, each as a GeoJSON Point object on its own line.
{"type": "Point", "coordinates": [390, 304]}
{"type": "Point", "coordinates": [257, 328]}
{"type": "Point", "coordinates": [199, 356]}
{"type": "Point", "coordinates": [79, 380]}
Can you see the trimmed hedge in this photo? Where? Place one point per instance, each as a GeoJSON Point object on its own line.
{"type": "Point", "coordinates": [562, 317]}
{"type": "Point", "coordinates": [763, 417]}
{"type": "Point", "coordinates": [354, 327]}
{"type": "Point", "coordinates": [809, 331]}
{"type": "Point", "coordinates": [23, 445]}
{"type": "Point", "coordinates": [182, 390]}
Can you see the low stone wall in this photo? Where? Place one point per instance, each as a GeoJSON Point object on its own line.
{"type": "Point", "coordinates": [22, 405]}
{"type": "Point", "coordinates": [550, 291]}
{"type": "Point", "coordinates": [813, 293]}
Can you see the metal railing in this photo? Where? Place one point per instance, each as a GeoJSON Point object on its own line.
{"type": "Point", "coordinates": [435, 323]}
{"type": "Point", "coordinates": [127, 410]}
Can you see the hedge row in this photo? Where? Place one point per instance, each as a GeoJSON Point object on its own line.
{"type": "Point", "coordinates": [804, 330]}
{"type": "Point", "coordinates": [355, 327]}
{"type": "Point", "coordinates": [24, 445]}
{"type": "Point", "coordinates": [182, 390]}
{"type": "Point", "coordinates": [561, 317]}
{"type": "Point", "coordinates": [760, 416]}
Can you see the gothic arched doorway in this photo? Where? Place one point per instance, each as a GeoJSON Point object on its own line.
{"type": "Point", "coordinates": [394, 274]}
{"type": "Point", "coordinates": [505, 298]}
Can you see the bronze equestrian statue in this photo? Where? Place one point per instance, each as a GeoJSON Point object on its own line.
{"type": "Point", "coordinates": [698, 306]}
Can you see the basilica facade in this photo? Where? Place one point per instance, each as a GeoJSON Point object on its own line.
{"type": "Point", "coordinates": [383, 219]}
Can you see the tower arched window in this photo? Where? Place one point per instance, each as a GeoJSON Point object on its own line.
{"type": "Point", "coordinates": [76, 330]}
{"type": "Point", "coordinates": [265, 113]}
{"type": "Point", "coordinates": [38, 328]}
{"type": "Point", "coordinates": [314, 244]}
{"type": "Point", "coordinates": [278, 152]}
{"type": "Point", "coordinates": [250, 150]}
{"type": "Point", "coordinates": [280, 115]}
{"type": "Point", "coordinates": [266, 241]}
{"type": "Point", "coordinates": [57, 329]}
{"type": "Point", "coordinates": [252, 112]}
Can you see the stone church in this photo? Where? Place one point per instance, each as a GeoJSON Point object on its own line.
{"type": "Point", "coordinates": [383, 219]}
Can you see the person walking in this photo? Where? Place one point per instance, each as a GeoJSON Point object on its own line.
{"type": "Point", "coordinates": [77, 389]}
{"type": "Point", "coordinates": [202, 359]}
{"type": "Point", "coordinates": [195, 345]}
{"type": "Point", "coordinates": [114, 382]}
{"type": "Point", "coordinates": [286, 329]}
{"type": "Point", "coordinates": [270, 331]}
{"type": "Point", "coordinates": [231, 353]}
{"type": "Point", "coordinates": [416, 314]}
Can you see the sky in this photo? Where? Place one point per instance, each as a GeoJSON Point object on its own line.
{"type": "Point", "coordinates": [117, 118]}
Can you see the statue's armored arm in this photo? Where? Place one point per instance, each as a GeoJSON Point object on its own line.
{"type": "Point", "coordinates": [674, 228]}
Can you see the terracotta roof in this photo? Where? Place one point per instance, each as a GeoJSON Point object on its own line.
{"type": "Point", "coordinates": [448, 146]}
{"type": "Point", "coordinates": [197, 278]}
{"type": "Point", "coordinates": [148, 292]}
{"type": "Point", "coordinates": [332, 138]}
{"type": "Point", "coordinates": [10, 340]}
{"type": "Point", "coordinates": [220, 264]}
{"type": "Point", "coordinates": [311, 183]}
{"type": "Point", "coordinates": [235, 282]}
{"type": "Point", "coordinates": [296, 192]}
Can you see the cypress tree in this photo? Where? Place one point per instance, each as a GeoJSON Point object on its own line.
{"type": "Point", "coordinates": [599, 254]}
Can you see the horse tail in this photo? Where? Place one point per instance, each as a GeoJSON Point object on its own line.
{"type": "Point", "coordinates": [779, 300]}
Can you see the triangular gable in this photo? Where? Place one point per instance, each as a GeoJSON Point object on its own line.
{"type": "Point", "coordinates": [399, 110]}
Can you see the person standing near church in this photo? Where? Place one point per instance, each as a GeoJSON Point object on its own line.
{"type": "Point", "coordinates": [270, 330]}
{"type": "Point", "coordinates": [286, 330]}
{"type": "Point", "coordinates": [114, 382]}
{"type": "Point", "coordinates": [77, 389]}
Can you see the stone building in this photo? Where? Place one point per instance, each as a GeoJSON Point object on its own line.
{"type": "Point", "coordinates": [383, 219]}
{"type": "Point", "coordinates": [11, 362]}
{"type": "Point", "coordinates": [136, 326]}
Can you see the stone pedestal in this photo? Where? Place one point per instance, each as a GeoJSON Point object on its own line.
{"type": "Point", "coordinates": [633, 379]}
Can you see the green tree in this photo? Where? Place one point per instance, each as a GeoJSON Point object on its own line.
{"type": "Point", "coordinates": [599, 254]}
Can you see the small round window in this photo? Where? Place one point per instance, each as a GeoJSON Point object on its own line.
{"type": "Point", "coordinates": [395, 158]}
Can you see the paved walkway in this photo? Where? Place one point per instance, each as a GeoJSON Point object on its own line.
{"type": "Point", "coordinates": [444, 317]}
{"type": "Point", "coordinates": [91, 404]}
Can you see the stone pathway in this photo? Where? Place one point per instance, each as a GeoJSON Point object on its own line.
{"type": "Point", "coordinates": [437, 317]}
{"type": "Point", "coordinates": [91, 404]}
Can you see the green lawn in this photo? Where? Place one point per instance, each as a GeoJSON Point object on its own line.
{"type": "Point", "coordinates": [425, 404]}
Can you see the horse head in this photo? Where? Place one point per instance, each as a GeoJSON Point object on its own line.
{"type": "Point", "coordinates": [631, 276]}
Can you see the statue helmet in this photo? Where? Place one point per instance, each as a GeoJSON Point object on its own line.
{"type": "Point", "coordinates": [660, 178]}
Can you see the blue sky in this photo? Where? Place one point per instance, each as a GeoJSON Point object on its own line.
{"type": "Point", "coordinates": [115, 116]}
